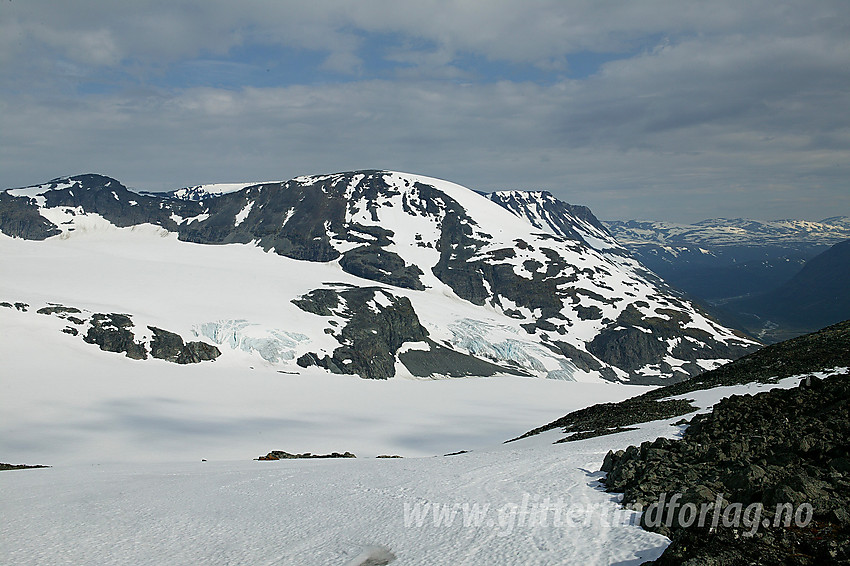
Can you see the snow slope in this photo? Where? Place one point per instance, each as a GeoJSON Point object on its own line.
{"type": "Point", "coordinates": [127, 438]}
{"type": "Point", "coordinates": [79, 405]}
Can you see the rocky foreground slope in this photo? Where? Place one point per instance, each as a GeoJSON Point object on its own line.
{"type": "Point", "coordinates": [428, 278]}
{"type": "Point", "coordinates": [775, 466]}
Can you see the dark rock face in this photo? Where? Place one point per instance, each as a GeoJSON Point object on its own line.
{"type": "Point", "coordinates": [375, 263]}
{"type": "Point", "coordinates": [544, 211]}
{"type": "Point", "coordinates": [439, 360]}
{"type": "Point", "coordinates": [169, 346]}
{"type": "Point", "coordinates": [58, 310]}
{"type": "Point", "coordinates": [479, 279]}
{"type": "Point", "coordinates": [775, 448]}
{"type": "Point", "coordinates": [112, 333]}
{"type": "Point", "coordinates": [378, 324]}
{"type": "Point", "coordinates": [19, 218]}
{"type": "Point", "coordinates": [627, 348]}
{"type": "Point", "coordinates": [112, 200]}
{"type": "Point", "coordinates": [634, 341]}
{"type": "Point", "coordinates": [5, 467]}
{"type": "Point", "coordinates": [296, 220]}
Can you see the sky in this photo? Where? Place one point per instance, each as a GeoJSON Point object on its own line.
{"type": "Point", "coordinates": [671, 110]}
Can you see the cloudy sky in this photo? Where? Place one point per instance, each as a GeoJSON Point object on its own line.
{"type": "Point", "coordinates": [671, 110]}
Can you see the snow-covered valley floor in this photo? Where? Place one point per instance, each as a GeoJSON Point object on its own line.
{"type": "Point", "coordinates": [126, 438]}
{"type": "Point", "coordinates": [322, 512]}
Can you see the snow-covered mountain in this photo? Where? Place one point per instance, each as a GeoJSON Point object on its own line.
{"type": "Point", "coordinates": [374, 273]}
{"type": "Point", "coordinates": [200, 192]}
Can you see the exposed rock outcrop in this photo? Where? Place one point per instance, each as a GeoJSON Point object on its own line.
{"type": "Point", "coordinates": [281, 455]}
{"type": "Point", "coordinates": [170, 347]}
{"type": "Point", "coordinates": [20, 218]}
{"type": "Point", "coordinates": [112, 333]}
{"type": "Point", "coordinates": [781, 450]}
{"type": "Point", "coordinates": [5, 467]}
{"type": "Point", "coordinates": [378, 323]}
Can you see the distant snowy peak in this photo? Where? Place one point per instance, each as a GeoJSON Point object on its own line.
{"type": "Point", "coordinates": [200, 192]}
{"type": "Point", "coordinates": [719, 232]}
{"type": "Point", "coordinates": [545, 212]}
{"type": "Point", "coordinates": [512, 282]}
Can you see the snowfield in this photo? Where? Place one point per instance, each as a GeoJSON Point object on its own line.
{"type": "Point", "coordinates": [318, 512]}
{"type": "Point", "coordinates": [153, 461]}
{"type": "Point", "coordinates": [126, 438]}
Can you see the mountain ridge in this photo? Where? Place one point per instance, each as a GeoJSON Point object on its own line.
{"type": "Point", "coordinates": [569, 305]}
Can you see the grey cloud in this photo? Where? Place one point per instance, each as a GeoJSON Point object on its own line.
{"type": "Point", "coordinates": [732, 109]}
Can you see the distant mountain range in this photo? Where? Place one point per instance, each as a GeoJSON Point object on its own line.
{"type": "Point", "coordinates": [719, 260]}
{"type": "Point", "coordinates": [745, 267]}
{"type": "Point", "coordinates": [723, 232]}
{"type": "Point", "coordinates": [386, 274]}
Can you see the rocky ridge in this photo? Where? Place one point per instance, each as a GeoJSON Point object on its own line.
{"type": "Point", "coordinates": [825, 349]}
{"type": "Point", "coordinates": [761, 479]}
